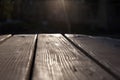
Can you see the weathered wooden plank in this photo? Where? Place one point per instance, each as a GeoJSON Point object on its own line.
{"type": "Point", "coordinates": [4, 37]}
{"type": "Point", "coordinates": [57, 59]}
{"type": "Point", "coordinates": [15, 57]}
{"type": "Point", "coordinates": [104, 49]}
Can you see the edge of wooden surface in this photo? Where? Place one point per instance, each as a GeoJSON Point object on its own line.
{"type": "Point", "coordinates": [5, 38]}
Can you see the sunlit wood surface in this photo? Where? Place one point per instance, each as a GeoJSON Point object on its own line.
{"type": "Point", "coordinates": [57, 57]}
{"type": "Point", "coordinates": [106, 50]}
{"type": "Point", "coordinates": [15, 57]}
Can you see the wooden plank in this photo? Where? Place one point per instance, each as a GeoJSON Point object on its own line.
{"type": "Point", "coordinates": [15, 57]}
{"type": "Point", "coordinates": [104, 49]}
{"type": "Point", "coordinates": [4, 37]}
{"type": "Point", "coordinates": [57, 59]}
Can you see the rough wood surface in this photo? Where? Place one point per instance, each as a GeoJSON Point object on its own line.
{"type": "Point", "coordinates": [57, 59]}
{"type": "Point", "coordinates": [106, 50]}
{"type": "Point", "coordinates": [15, 57]}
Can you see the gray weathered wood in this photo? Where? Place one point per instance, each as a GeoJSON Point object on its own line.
{"type": "Point", "coordinates": [57, 59]}
{"type": "Point", "coordinates": [106, 50]}
{"type": "Point", "coordinates": [15, 57]}
{"type": "Point", "coordinates": [4, 37]}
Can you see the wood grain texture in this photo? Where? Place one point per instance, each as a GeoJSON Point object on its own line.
{"type": "Point", "coordinates": [57, 59]}
{"type": "Point", "coordinates": [4, 37]}
{"type": "Point", "coordinates": [15, 57]}
{"type": "Point", "coordinates": [104, 49]}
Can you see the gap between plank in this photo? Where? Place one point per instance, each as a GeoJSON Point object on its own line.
{"type": "Point", "coordinates": [33, 59]}
{"type": "Point", "coordinates": [109, 71]}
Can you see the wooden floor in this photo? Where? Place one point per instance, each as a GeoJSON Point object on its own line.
{"type": "Point", "coordinates": [59, 57]}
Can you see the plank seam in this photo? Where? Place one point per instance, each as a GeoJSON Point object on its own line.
{"type": "Point", "coordinates": [30, 75]}
{"type": "Point", "coordinates": [109, 71]}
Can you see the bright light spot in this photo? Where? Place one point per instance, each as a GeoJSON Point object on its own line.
{"type": "Point", "coordinates": [57, 35]}
{"type": "Point", "coordinates": [56, 44]}
{"type": "Point", "coordinates": [57, 9]}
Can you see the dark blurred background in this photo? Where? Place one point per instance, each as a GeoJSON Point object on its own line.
{"type": "Point", "coordinates": [97, 17]}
